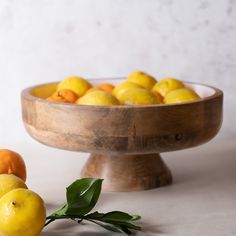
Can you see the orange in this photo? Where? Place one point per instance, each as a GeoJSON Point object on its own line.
{"type": "Point", "coordinates": [12, 163]}
{"type": "Point", "coordinates": [64, 95]}
{"type": "Point", "coordinates": [107, 87]}
{"type": "Point", "coordinates": [56, 99]}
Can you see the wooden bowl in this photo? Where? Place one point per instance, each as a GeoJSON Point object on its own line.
{"type": "Point", "coordinates": [125, 141]}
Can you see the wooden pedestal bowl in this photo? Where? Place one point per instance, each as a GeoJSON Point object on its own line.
{"type": "Point", "coordinates": [125, 141]}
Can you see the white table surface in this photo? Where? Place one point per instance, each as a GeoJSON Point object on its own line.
{"type": "Point", "coordinates": [201, 200]}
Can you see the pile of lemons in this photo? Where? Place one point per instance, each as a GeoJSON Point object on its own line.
{"type": "Point", "coordinates": [22, 211]}
{"type": "Point", "coordinates": [139, 88]}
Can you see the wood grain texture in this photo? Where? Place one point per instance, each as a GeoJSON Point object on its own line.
{"type": "Point", "coordinates": [128, 173]}
{"type": "Point", "coordinates": [122, 129]}
{"type": "Point", "coordinates": [118, 135]}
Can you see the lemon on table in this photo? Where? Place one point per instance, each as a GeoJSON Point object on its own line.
{"type": "Point", "coordinates": [22, 213]}
{"type": "Point", "coordinates": [76, 84]}
{"type": "Point", "coordinates": [120, 88]}
{"type": "Point", "coordinates": [181, 95]}
{"type": "Point", "coordinates": [143, 79]}
{"type": "Point", "coordinates": [138, 96]}
{"type": "Point", "coordinates": [166, 85]}
{"type": "Point", "coordinates": [98, 98]}
{"type": "Point", "coordinates": [10, 182]}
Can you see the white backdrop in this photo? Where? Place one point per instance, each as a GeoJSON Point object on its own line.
{"type": "Point", "coordinates": [46, 40]}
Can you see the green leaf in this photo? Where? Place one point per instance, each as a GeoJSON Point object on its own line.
{"type": "Point", "coordinates": [117, 216]}
{"type": "Point", "coordinates": [82, 196]}
{"type": "Point", "coordinates": [59, 212]}
{"type": "Point", "coordinates": [114, 216]}
{"type": "Point", "coordinates": [136, 217]}
{"type": "Point", "coordinates": [127, 231]}
{"type": "Point", "coordinates": [108, 226]}
{"type": "Point", "coordinates": [95, 215]}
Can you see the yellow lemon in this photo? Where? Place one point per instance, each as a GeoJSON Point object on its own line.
{"type": "Point", "coordinates": [181, 95]}
{"type": "Point", "coordinates": [10, 182]}
{"type": "Point", "coordinates": [98, 98]}
{"type": "Point", "coordinates": [120, 88]}
{"type": "Point", "coordinates": [93, 89]}
{"type": "Point", "coordinates": [76, 84]}
{"type": "Point", "coordinates": [22, 213]}
{"type": "Point", "coordinates": [138, 96]}
{"type": "Point", "coordinates": [158, 95]}
{"type": "Point", "coordinates": [166, 85]}
{"type": "Point", "coordinates": [145, 80]}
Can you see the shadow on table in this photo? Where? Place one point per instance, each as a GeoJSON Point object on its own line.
{"type": "Point", "coordinates": [214, 165]}
{"type": "Point", "coordinates": [150, 230]}
{"type": "Point", "coordinates": [65, 229]}
{"type": "Point", "coordinates": [56, 233]}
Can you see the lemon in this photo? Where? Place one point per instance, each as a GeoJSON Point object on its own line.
{"type": "Point", "coordinates": [93, 89]}
{"type": "Point", "coordinates": [138, 96]}
{"type": "Point", "coordinates": [166, 85]}
{"type": "Point", "coordinates": [22, 213]}
{"type": "Point", "coordinates": [120, 88]}
{"type": "Point", "coordinates": [10, 182]}
{"type": "Point", "coordinates": [98, 98]}
{"type": "Point", "coordinates": [181, 95]}
{"type": "Point", "coordinates": [145, 80]}
{"type": "Point", "coordinates": [76, 84]}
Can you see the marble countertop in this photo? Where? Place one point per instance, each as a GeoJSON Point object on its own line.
{"type": "Point", "coordinates": [201, 200]}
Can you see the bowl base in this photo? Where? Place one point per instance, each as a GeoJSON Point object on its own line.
{"type": "Point", "coordinates": [126, 173]}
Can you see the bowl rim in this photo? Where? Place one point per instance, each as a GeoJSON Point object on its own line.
{"type": "Point", "coordinates": [26, 93]}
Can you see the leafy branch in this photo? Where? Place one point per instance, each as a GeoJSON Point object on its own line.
{"type": "Point", "coordinates": [82, 196]}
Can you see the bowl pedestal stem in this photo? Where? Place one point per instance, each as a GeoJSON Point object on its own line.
{"type": "Point", "coordinates": [128, 172]}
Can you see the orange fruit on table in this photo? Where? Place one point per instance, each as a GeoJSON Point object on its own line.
{"type": "Point", "coordinates": [107, 87]}
{"type": "Point", "coordinates": [64, 95]}
{"type": "Point", "coordinates": [12, 163]}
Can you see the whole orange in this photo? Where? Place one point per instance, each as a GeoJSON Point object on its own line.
{"type": "Point", "coordinates": [12, 163]}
